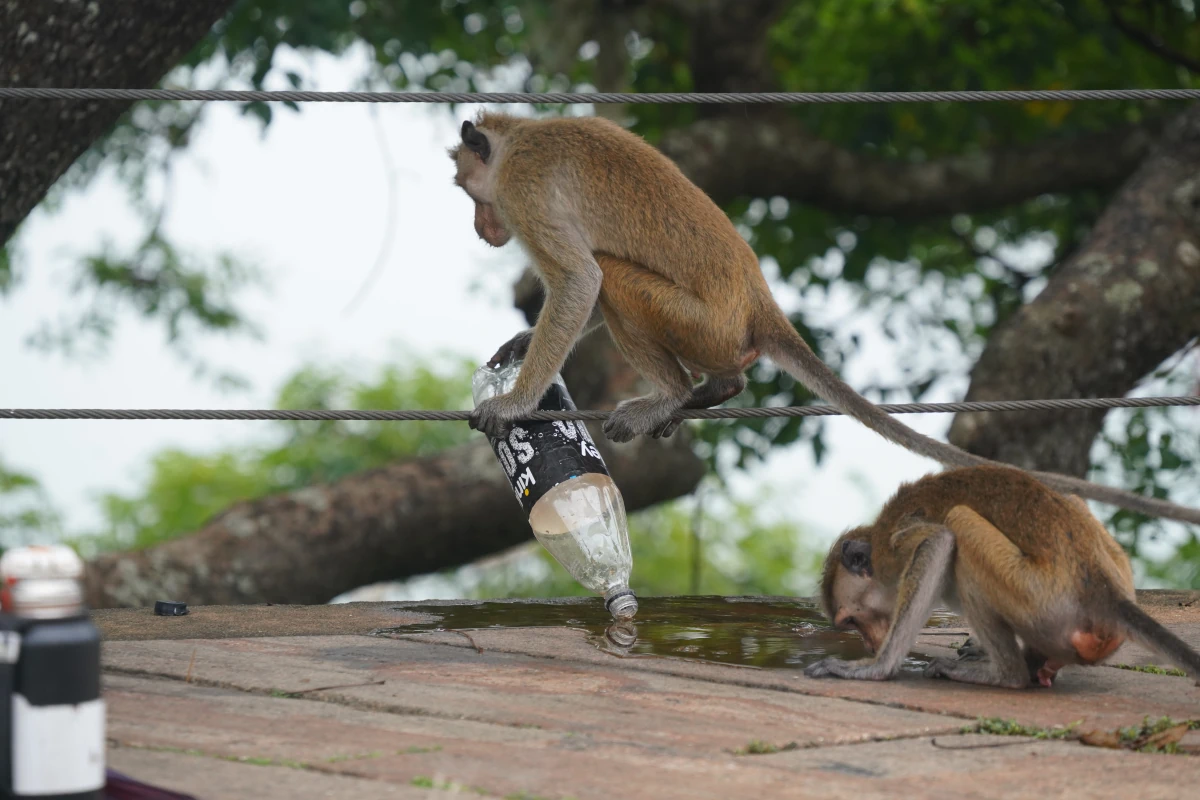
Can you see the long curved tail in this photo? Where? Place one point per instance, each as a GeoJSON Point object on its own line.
{"type": "Point", "coordinates": [1150, 634]}
{"type": "Point", "coordinates": [777, 338]}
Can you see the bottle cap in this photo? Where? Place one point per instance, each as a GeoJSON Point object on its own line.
{"type": "Point", "coordinates": [170, 608]}
{"type": "Point", "coordinates": [40, 561]}
{"type": "Point", "coordinates": [41, 582]}
{"type": "Point", "coordinates": [621, 602]}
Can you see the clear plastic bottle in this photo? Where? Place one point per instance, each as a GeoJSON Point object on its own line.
{"type": "Point", "coordinates": [559, 477]}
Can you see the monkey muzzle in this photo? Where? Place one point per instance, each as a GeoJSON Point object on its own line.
{"type": "Point", "coordinates": [489, 227]}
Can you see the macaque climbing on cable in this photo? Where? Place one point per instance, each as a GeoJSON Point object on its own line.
{"type": "Point", "coordinates": [608, 219]}
{"type": "Point", "coordinates": [1019, 560]}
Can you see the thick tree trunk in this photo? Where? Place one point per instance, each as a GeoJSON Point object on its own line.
{"type": "Point", "coordinates": [1128, 299]}
{"type": "Point", "coordinates": [406, 519]}
{"type": "Point", "coordinates": [101, 44]}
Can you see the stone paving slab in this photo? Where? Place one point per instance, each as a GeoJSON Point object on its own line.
{"type": "Point", "coordinates": [519, 690]}
{"type": "Point", "coordinates": [385, 747]}
{"type": "Point", "coordinates": [285, 739]}
{"type": "Point", "coordinates": [313, 707]}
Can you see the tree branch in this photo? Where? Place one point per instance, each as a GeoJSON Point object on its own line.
{"type": "Point", "coordinates": [735, 157]}
{"type": "Point", "coordinates": [1120, 305]}
{"type": "Point", "coordinates": [405, 519]}
{"type": "Point", "coordinates": [131, 44]}
{"type": "Point", "coordinates": [1149, 42]}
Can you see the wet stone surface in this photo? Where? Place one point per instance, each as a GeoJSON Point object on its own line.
{"type": "Point", "coordinates": [775, 634]}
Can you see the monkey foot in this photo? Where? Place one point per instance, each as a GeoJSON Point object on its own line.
{"type": "Point", "coordinates": [639, 416]}
{"type": "Point", "coordinates": [494, 416]}
{"type": "Point", "coordinates": [983, 674]}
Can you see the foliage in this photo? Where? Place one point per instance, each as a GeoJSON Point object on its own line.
{"type": "Point", "coordinates": [156, 281]}
{"type": "Point", "coordinates": [7, 278]}
{"type": "Point", "coordinates": [996, 726]}
{"type": "Point", "coordinates": [1156, 452]}
{"type": "Point", "coordinates": [26, 515]}
{"type": "Point", "coordinates": [941, 284]}
{"type": "Point", "coordinates": [184, 490]}
{"type": "Point", "coordinates": [757, 747]}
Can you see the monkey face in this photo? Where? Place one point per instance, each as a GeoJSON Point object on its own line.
{"type": "Point", "coordinates": [861, 604]}
{"type": "Point", "coordinates": [471, 174]}
{"type": "Point", "coordinates": [855, 600]}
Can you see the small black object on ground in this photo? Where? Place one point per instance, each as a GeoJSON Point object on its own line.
{"type": "Point", "coordinates": [169, 608]}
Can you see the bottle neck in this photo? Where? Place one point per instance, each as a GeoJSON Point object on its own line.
{"type": "Point", "coordinates": [621, 602]}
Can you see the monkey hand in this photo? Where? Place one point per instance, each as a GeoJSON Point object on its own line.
{"type": "Point", "coordinates": [864, 670]}
{"type": "Point", "coordinates": [515, 348]}
{"type": "Point", "coordinates": [495, 415]}
{"type": "Point", "coordinates": [971, 650]}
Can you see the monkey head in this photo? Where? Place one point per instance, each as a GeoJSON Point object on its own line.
{"type": "Point", "coordinates": [472, 159]}
{"type": "Point", "coordinates": [852, 597]}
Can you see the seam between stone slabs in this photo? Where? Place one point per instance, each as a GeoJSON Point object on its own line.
{"type": "Point", "coordinates": [773, 687]}
{"type": "Point", "coordinates": [421, 637]}
{"type": "Point", "coordinates": [354, 703]}
{"type": "Point", "coordinates": [302, 766]}
{"type": "Point", "coordinates": [868, 738]}
{"type": "Point", "coordinates": [322, 769]}
{"type": "Point", "coordinates": [322, 697]}
{"type": "Point", "coordinates": [330, 695]}
{"type": "Point", "coordinates": [668, 660]}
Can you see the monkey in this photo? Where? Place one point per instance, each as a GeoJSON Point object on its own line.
{"type": "Point", "coordinates": [609, 220]}
{"type": "Point", "coordinates": [1039, 579]}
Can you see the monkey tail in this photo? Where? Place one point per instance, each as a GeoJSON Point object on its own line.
{"type": "Point", "coordinates": [783, 343]}
{"type": "Point", "coordinates": [776, 338]}
{"type": "Point", "coordinates": [1147, 632]}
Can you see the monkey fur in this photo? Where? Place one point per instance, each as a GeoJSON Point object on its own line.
{"type": "Point", "coordinates": [1019, 560]}
{"type": "Point", "coordinates": [607, 219]}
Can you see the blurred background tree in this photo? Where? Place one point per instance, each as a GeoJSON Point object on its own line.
{"type": "Point", "coordinates": [981, 234]}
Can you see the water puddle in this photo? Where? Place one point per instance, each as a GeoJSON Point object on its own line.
{"type": "Point", "coordinates": [776, 634]}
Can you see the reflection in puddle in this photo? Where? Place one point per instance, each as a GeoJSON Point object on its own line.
{"type": "Point", "coordinates": [766, 634]}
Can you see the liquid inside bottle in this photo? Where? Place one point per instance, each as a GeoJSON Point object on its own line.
{"type": "Point", "coordinates": [575, 509]}
{"type": "Point", "coordinates": [581, 522]}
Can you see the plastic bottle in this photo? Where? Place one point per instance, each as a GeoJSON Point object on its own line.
{"type": "Point", "coordinates": [559, 477]}
{"type": "Point", "coordinates": [53, 657]}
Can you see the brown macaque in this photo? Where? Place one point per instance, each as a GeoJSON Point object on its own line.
{"type": "Point", "coordinates": [608, 219]}
{"type": "Point", "coordinates": [1040, 581]}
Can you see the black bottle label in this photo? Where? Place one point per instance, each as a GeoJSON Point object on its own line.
{"type": "Point", "coordinates": [538, 456]}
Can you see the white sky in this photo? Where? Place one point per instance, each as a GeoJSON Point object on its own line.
{"type": "Point", "coordinates": [308, 204]}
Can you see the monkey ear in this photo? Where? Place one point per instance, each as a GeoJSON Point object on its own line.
{"type": "Point", "coordinates": [475, 141]}
{"type": "Point", "coordinates": [856, 557]}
